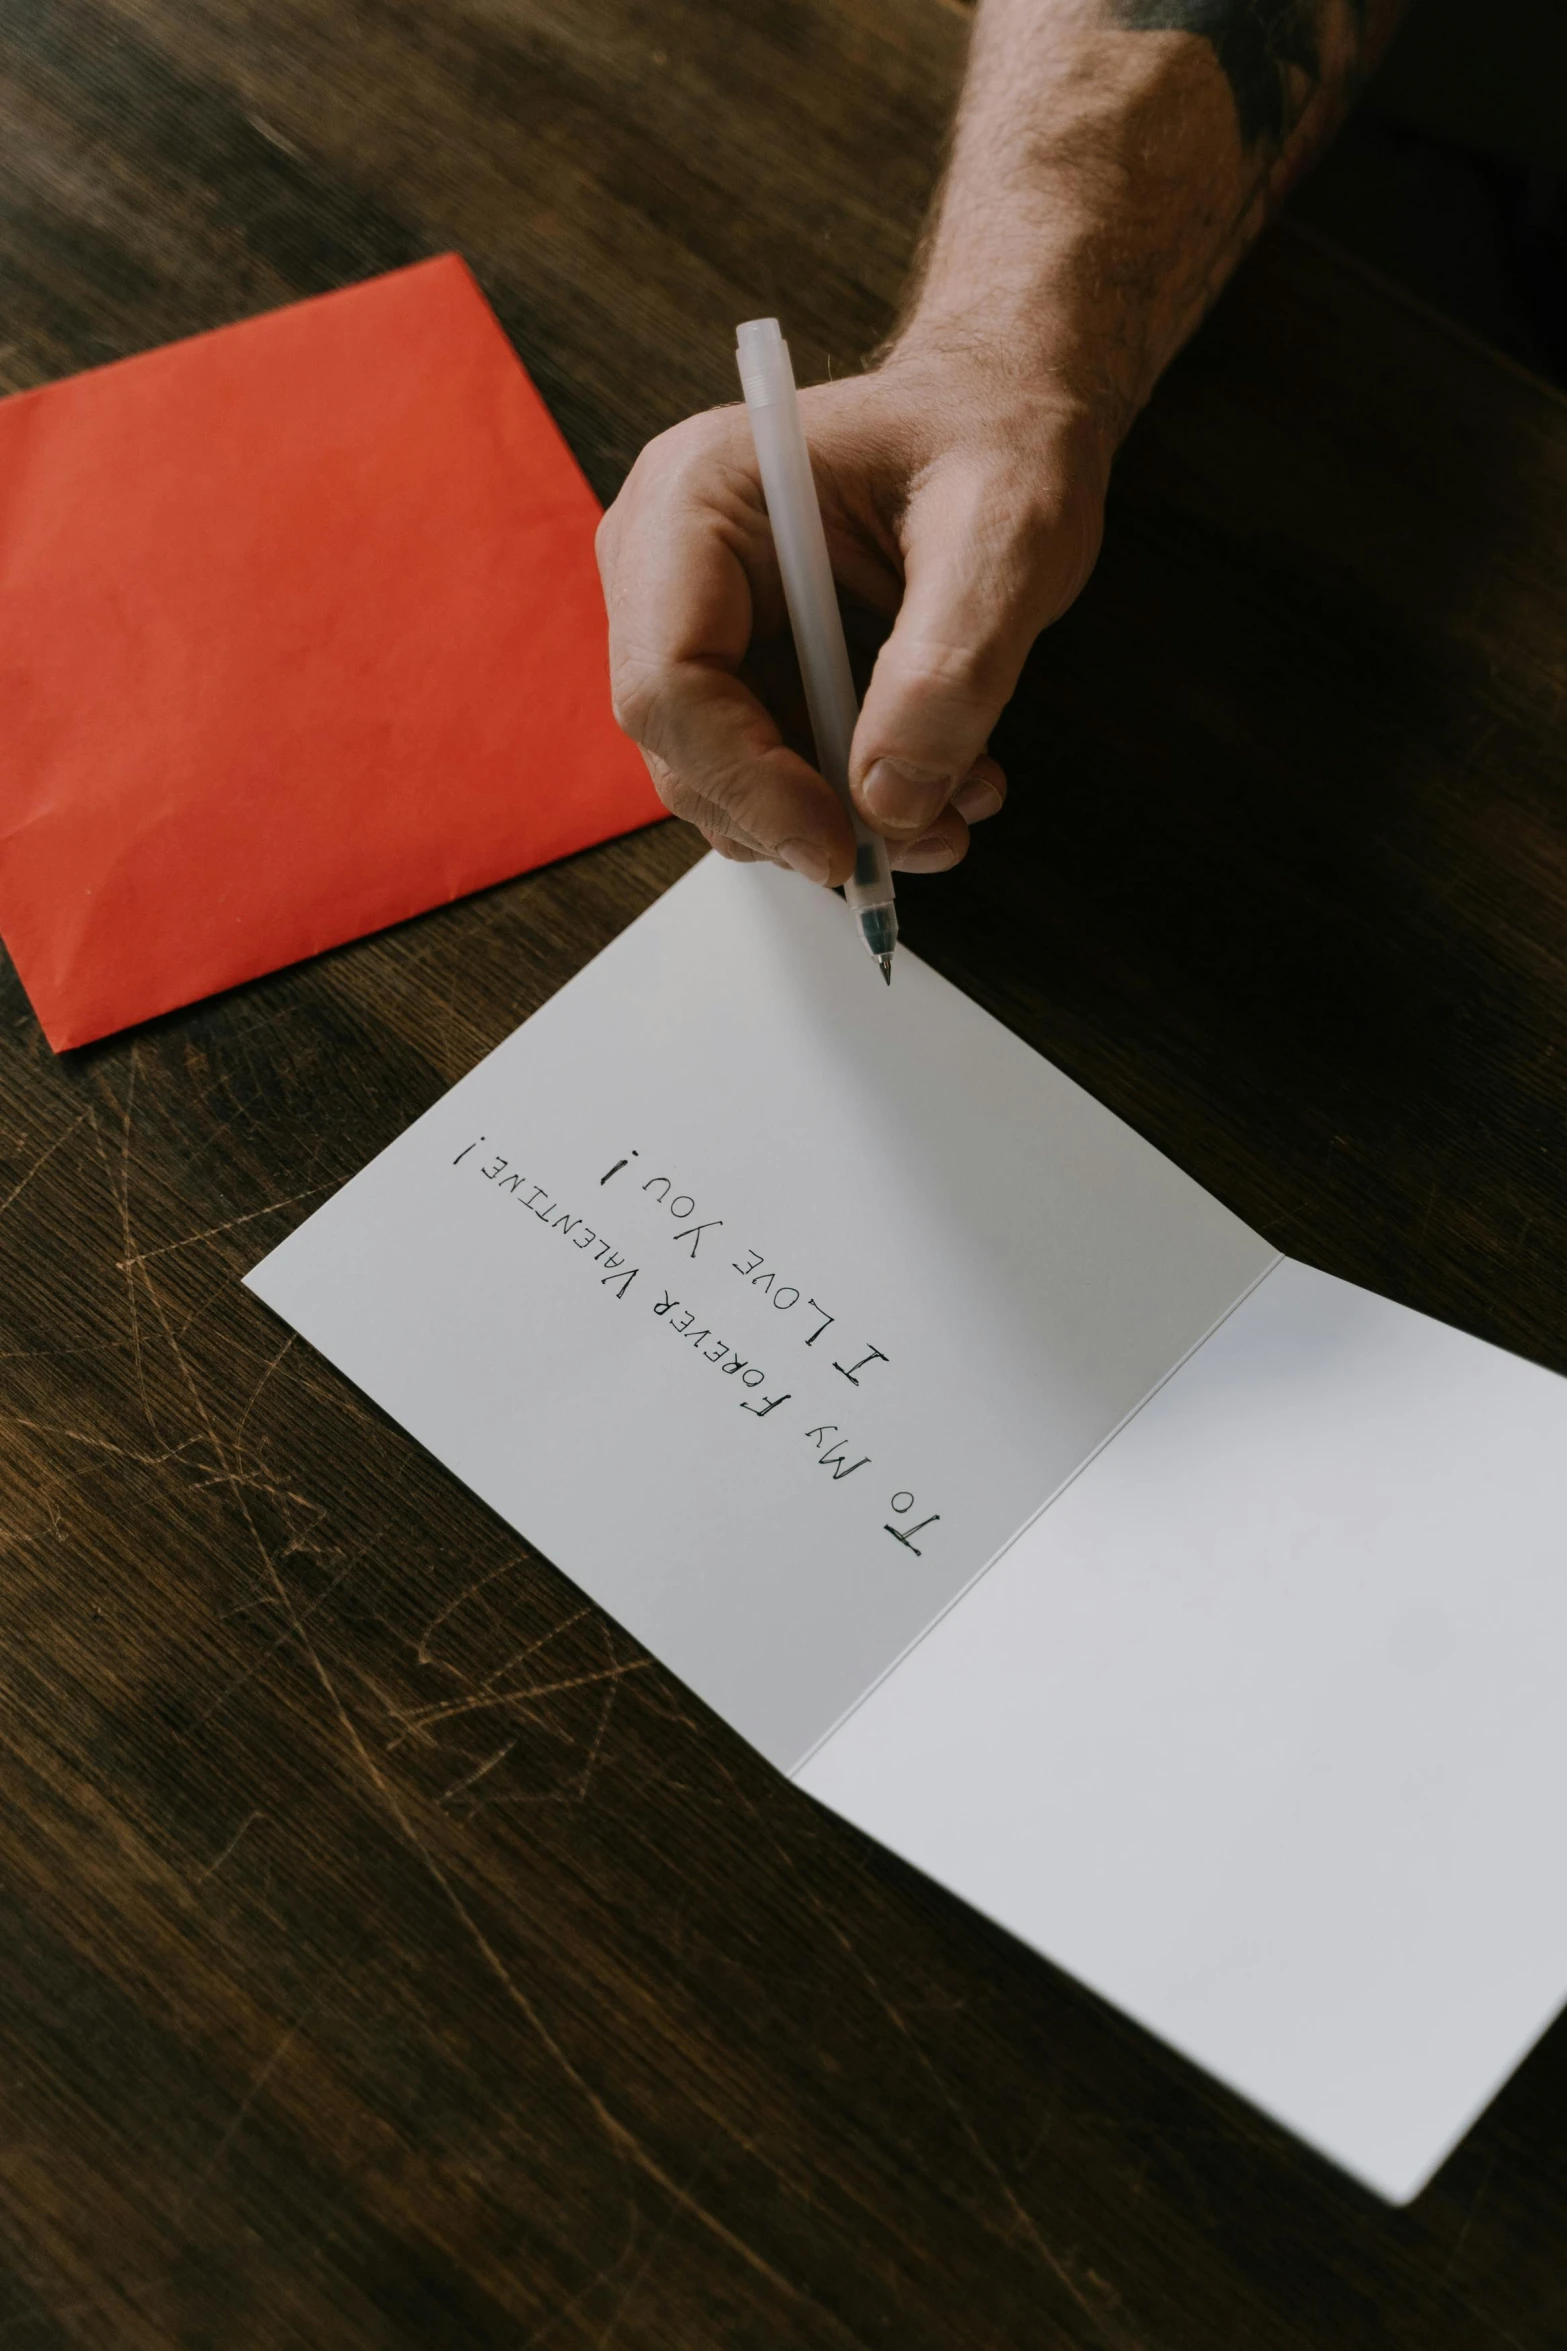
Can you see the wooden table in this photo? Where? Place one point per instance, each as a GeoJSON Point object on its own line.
{"type": "Point", "coordinates": [391, 1955]}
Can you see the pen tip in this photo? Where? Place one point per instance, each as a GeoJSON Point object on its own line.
{"type": "Point", "coordinates": [886, 968]}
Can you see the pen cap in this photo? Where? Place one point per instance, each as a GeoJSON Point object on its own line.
{"type": "Point", "coordinates": [766, 377]}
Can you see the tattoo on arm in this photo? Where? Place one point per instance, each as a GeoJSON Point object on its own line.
{"type": "Point", "coordinates": [1262, 45]}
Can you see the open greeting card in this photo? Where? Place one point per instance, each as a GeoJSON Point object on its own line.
{"type": "Point", "coordinates": [1199, 1617]}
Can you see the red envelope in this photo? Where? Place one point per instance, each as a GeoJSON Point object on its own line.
{"type": "Point", "coordinates": [300, 633]}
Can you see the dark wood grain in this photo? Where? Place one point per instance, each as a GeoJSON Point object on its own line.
{"type": "Point", "coordinates": [391, 1955]}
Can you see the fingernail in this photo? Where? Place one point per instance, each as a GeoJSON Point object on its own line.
{"type": "Point", "coordinates": [976, 800]}
{"type": "Point", "coordinates": [931, 855]}
{"type": "Point", "coordinates": [898, 792]}
{"type": "Point", "coordinates": [803, 856]}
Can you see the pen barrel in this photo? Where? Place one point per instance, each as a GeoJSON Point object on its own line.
{"type": "Point", "coordinates": [870, 884]}
{"type": "Point", "coordinates": [784, 462]}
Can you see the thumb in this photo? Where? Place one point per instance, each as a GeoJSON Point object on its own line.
{"type": "Point", "coordinates": [981, 579]}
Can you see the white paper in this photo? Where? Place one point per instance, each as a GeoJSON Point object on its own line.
{"type": "Point", "coordinates": [1260, 1729]}
{"type": "Point", "coordinates": [1026, 1265]}
{"type": "Point", "coordinates": [1256, 1728]}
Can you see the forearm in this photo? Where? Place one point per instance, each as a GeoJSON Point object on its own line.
{"type": "Point", "coordinates": [1112, 160]}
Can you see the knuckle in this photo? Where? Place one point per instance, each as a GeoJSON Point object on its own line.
{"type": "Point", "coordinates": [684, 452]}
{"type": "Point", "coordinates": [973, 675]}
{"type": "Point", "coordinates": [1058, 538]}
{"type": "Point", "coordinates": [668, 469]}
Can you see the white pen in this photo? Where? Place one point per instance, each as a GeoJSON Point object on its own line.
{"type": "Point", "coordinates": [796, 517]}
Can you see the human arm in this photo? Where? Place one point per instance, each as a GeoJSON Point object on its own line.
{"type": "Point", "coordinates": [1111, 161]}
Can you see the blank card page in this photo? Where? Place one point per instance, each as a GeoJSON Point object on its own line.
{"type": "Point", "coordinates": [1261, 1728]}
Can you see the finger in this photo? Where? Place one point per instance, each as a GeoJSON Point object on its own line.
{"type": "Point", "coordinates": [937, 850]}
{"type": "Point", "coordinates": [680, 553]}
{"type": "Point", "coordinates": [718, 761]}
{"type": "Point", "coordinates": [982, 579]}
{"type": "Point", "coordinates": [982, 793]}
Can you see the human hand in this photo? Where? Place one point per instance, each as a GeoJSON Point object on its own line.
{"type": "Point", "coordinates": [1108, 167]}
{"type": "Point", "coordinates": [965, 503]}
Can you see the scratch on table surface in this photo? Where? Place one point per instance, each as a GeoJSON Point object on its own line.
{"type": "Point", "coordinates": [211, 1231]}
{"type": "Point", "coordinates": [236, 1481]}
{"type": "Point", "coordinates": [212, 1867]}
{"type": "Point", "coordinates": [119, 1194]}
{"type": "Point", "coordinates": [233, 1688]}
{"type": "Point", "coordinates": [1501, 2334]}
{"type": "Point", "coordinates": [267, 1008]}
{"type": "Point", "coordinates": [296, 1627]}
{"type": "Point", "coordinates": [237, 2119]}
{"type": "Point", "coordinates": [601, 2277]}
{"type": "Point", "coordinates": [426, 1718]}
{"type": "Point", "coordinates": [126, 1124]}
{"type": "Point", "coordinates": [1090, 2294]}
{"type": "Point", "coordinates": [575, 1789]}
{"type": "Point", "coordinates": [220, 1294]}
{"type": "Point", "coordinates": [481, 1771]}
{"type": "Point", "coordinates": [255, 1392]}
{"type": "Point", "coordinates": [518, 1656]}
{"type": "Point", "coordinates": [606, 2273]}
{"type": "Point", "coordinates": [1482, 2189]}
{"type": "Point", "coordinates": [638, 2275]}
{"type": "Point", "coordinates": [418, 1723]}
{"type": "Point", "coordinates": [584, 1778]}
{"type": "Point", "coordinates": [274, 137]}
{"type": "Point", "coordinates": [226, 1473]}
{"type": "Point", "coordinates": [49, 1428]}
{"type": "Point", "coordinates": [44, 1156]}
{"type": "Point", "coordinates": [259, 1483]}
{"type": "Point", "coordinates": [471, 1592]}
{"type": "Point", "coordinates": [98, 1350]}
{"type": "Point", "coordinates": [619, 2136]}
